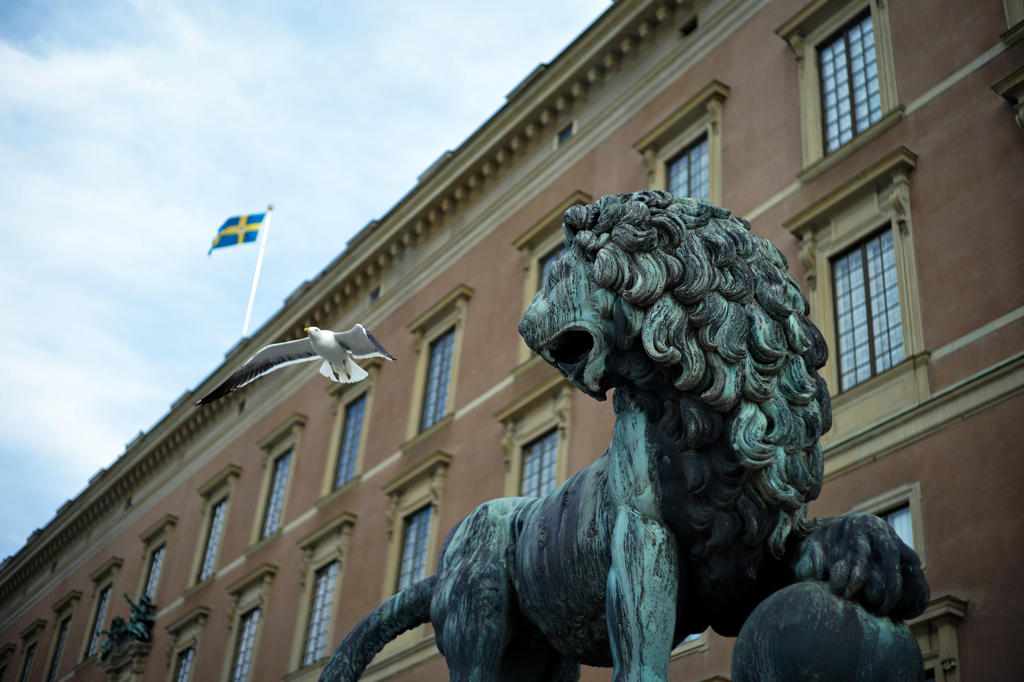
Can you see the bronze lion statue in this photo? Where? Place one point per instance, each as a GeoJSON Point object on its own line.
{"type": "Point", "coordinates": [696, 512]}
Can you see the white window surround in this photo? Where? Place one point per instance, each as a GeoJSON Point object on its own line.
{"type": "Point", "coordinates": [1011, 89]}
{"type": "Point", "coordinates": [7, 652]}
{"type": "Point", "coordinates": [1014, 21]}
{"type": "Point", "coordinates": [420, 485]}
{"type": "Point", "coordinates": [30, 638]}
{"type": "Point", "coordinates": [935, 630]}
{"type": "Point", "coordinates": [285, 438]}
{"type": "Point", "coordinates": [186, 632]}
{"type": "Point", "coordinates": [903, 496]}
{"type": "Point", "coordinates": [103, 577]}
{"type": "Point", "coordinates": [806, 32]}
{"type": "Point", "coordinates": [694, 645]}
{"type": "Point", "coordinates": [157, 535]}
{"type": "Point", "coordinates": [342, 395]}
{"type": "Point", "coordinates": [699, 116]}
{"type": "Point", "coordinates": [874, 198]}
{"type": "Point", "coordinates": [218, 488]}
{"type": "Point", "coordinates": [548, 405]}
{"type": "Point", "coordinates": [327, 543]}
{"type": "Point", "coordinates": [64, 608]}
{"type": "Point", "coordinates": [536, 242]}
{"type": "Point", "coordinates": [247, 593]}
{"type": "Point", "coordinates": [437, 320]}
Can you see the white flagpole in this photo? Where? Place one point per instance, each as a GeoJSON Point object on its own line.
{"type": "Point", "coordinates": [259, 262]}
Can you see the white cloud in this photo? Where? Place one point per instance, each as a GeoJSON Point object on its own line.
{"type": "Point", "coordinates": [130, 130]}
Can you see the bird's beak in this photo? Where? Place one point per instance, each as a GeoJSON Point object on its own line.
{"type": "Point", "coordinates": [306, 330]}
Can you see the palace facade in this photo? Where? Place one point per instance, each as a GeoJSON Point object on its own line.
{"type": "Point", "coordinates": [878, 143]}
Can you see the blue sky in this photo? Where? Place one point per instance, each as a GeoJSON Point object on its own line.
{"type": "Point", "coordinates": [130, 130]}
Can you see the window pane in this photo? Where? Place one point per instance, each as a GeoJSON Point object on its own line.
{"type": "Point", "coordinates": [547, 261]}
{"type": "Point", "coordinates": [688, 172]}
{"type": "Point", "coordinates": [350, 436]}
{"type": "Point", "coordinates": [849, 84]}
{"type": "Point", "coordinates": [184, 665]}
{"type": "Point", "coordinates": [435, 404]}
{"type": "Point", "coordinates": [274, 503]}
{"type": "Point", "coordinates": [62, 636]}
{"type": "Point", "coordinates": [885, 301]}
{"type": "Point", "coordinates": [539, 460]}
{"type": "Point", "coordinates": [156, 562]}
{"type": "Point", "coordinates": [97, 626]}
{"type": "Point", "coordinates": [900, 522]}
{"type": "Point", "coordinates": [213, 539]}
{"type": "Point", "coordinates": [320, 613]}
{"type": "Point", "coordinates": [414, 548]}
{"type": "Point", "coordinates": [243, 650]}
{"type": "Point", "coordinates": [30, 655]}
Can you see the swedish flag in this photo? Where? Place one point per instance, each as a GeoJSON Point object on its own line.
{"type": "Point", "coordinates": [238, 230]}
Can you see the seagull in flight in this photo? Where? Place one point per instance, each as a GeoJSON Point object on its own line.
{"type": "Point", "coordinates": [333, 347]}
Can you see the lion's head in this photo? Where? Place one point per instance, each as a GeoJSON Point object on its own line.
{"type": "Point", "coordinates": [711, 305]}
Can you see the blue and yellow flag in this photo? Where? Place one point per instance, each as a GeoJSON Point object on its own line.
{"type": "Point", "coordinates": [238, 230]}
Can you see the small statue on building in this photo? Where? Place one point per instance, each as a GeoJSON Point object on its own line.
{"type": "Point", "coordinates": [138, 629]}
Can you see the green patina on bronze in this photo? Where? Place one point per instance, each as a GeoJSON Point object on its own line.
{"type": "Point", "coordinates": [696, 512]}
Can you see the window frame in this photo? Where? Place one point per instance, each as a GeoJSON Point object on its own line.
{"type": "Point", "coordinates": [326, 544]}
{"type": "Point", "coordinates": [700, 115]}
{"type": "Point", "coordinates": [545, 407]}
{"type": "Point", "coordinates": [343, 395]}
{"type": "Point", "coordinates": [251, 591]}
{"type": "Point", "coordinates": [411, 490]}
{"type": "Point", "coordinates": [536, 242]}
{"type": "Point", "coordinates": [807, 32]}
{"type": "Point", "coordinates": [904, 496]}
{"type": "Point", "coordinates": [102, 578]}
{"type": "Point", "coordinates": [877, 196]}
{"type": "Point", "coordinates": [695, 645]}
{"type": "Point", "coordinates": [63, 609]}
{"type": "Point", "coordinates": [186, 632]}
{"type": "Point", "coordinates": [284, 439]}
{"type": "Point", "coordinates": [30, 637]}
{"type": "Point", "coordinates": [687, 150]}
{"type": "Point", "coordinates": [869, 311]}
{"type": "Point", "coordinates": [153, 538]}
{"type": "Point", "coordinates": [936, 634]}
{"type": "Point", "coordinates": [437, 320]}
{"type": "Point", "coordinates": [7, 652]}
{"type": "Point", "coordinates": [219, 488]}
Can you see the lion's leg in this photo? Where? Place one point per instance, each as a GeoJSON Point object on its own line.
{"type": "Point", "coordinates": [641, 597]}
{"type": "Point", "coordinates": [477, 623]}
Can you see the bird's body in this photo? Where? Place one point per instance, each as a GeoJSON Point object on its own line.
{"type": "Point", "coordinates": [333, 347]}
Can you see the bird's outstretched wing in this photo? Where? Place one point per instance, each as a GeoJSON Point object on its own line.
{"type": "Point", "coordinates": [274, 356]}
{"type": "Point", "coordinates": [361, 344]}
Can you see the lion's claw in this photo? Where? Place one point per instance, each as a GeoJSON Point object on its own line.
{"type": "Point", "coordinates": [863, 560]}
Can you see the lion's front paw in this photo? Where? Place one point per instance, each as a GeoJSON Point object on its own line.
{"type": "Point", "coordinates": [864, 560]}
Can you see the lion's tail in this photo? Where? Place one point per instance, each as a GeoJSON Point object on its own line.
{"type": "Point", "coordinates": [404, 611]}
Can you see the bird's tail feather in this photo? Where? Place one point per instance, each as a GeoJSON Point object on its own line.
{"type": "Point", "coordinates": [355, 372]}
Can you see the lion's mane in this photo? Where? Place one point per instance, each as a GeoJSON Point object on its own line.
{"type": "Point", "coordinates": [716, 311]}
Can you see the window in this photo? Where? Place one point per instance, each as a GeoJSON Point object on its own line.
{"type": "Point", "coordinates": [350, 438]}
{"type": "Point", "coordinates": [26, 666]}
{"type": "Point", "coordinates": [183, 665]}
{"type": "Point", "coordinates": [850, 98]}
{"type": "Point", "coordinates": [249, 597]}
{"type": "Point", "coordinates": [936, 634]}
{"type": "Point", "coordinates": [546, 262]}
{"type": "Point", "coordinates": [102, 579]}
{"type": "Point", "coordinates": [217, 515]}
{"type": "Point", "coordinates": [539, 247]}
{"type": "Point", "coordinates": [62, 638]}
{"type": "Point", "coordinates": [281, 448]}
{"type": "Point", "coordinates": [414, 548]}
{"type": "Point", "coordinates": [97, 624]}
{"type": "Point", "coordinates": [438, 375]}
{"type": "Point", "coordinates": [900, 522]}
{"type": "Point", "coordinates": [320, 614]}
{"type": "Point", "coordinates": [156, 562]}
{"type": "Point", "coordinates": [536, 441]}
{"type": "Point", "coordinates": [857, 249]}
{"type": "Point", "coordinates": [565, 133]}
{"type": "Point", "coordinates": [438, 342]}
{"type": "Point", "coordinates": [216, 494]}
{"type": "Point", "coordinates": [688, 172]}
{"type": "Point", "coordinates": [324, 555]}
{"type": "Point", "coordinates": [272, 519]}
{"type": "Point", "coordinates": [539, 459]}
{"type": "Point", "coordinates": [684, 152]}
{"type": "Point", "coordinates": [847, 78]}
{"type": "Point", "coordinates": [244, 647]}
{"type": "Point", "coordinates": [6, 657]}
{"type": "Point", "coordinates": [186, 633]}
{"type": "Point", "coordinates": [869, 329]}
